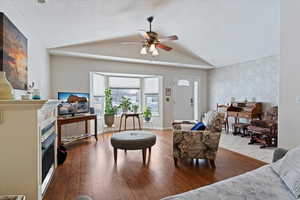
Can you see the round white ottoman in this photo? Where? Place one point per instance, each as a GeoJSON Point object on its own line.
{"type": "Point", "coordinates": [133, 140]}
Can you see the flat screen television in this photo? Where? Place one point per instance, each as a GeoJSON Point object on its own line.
{"type": "Point", "coordinates": [71, 103]}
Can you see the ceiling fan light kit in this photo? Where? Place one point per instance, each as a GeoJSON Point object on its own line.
{"type": "Point", "coordinates": [144, 51]}
{"type": "Point", "coordinates": [152, 48]}
{"type": "Point", "coordinates": [152, 42]}
{"type": "Point", "coordinates": [155, 52]}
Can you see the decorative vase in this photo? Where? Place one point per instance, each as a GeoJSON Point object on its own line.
{"type": "Point", "coordinates": [109, 119]}
{"type": "Point", "coordinates": [6, 90]}
{"type": "Point", "coordinates": [147, 119]}
{"type": "Point", "coordinates": [232, 99]}
{"type": "Point", "coordinates": [36, 94]}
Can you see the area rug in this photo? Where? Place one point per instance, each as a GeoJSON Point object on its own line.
{"type": "Point", "coordinates": [240, 144]}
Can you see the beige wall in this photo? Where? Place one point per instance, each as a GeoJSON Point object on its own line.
{"type": "Point", "coordinates": [289, 133]}
{"type": "Point", "coordinates": [72, 74]}
{"type": "Point", "coordinates": [38, 59]}
{"type": "Point", "coordinates": [258, 78]}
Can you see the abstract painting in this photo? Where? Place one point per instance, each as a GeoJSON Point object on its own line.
{"type": "Point", "coordinates": [13, 54]}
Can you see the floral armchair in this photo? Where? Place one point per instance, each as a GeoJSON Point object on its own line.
{"type": "Point", "coordinates": [198, 144]}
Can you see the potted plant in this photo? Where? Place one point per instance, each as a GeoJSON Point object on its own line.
{"type": "Point", "coordinates": [135, 108]}
{"type": "Point", "coordinates": [125, 104]}
{"type": "Point", "coordinates": [147, 114]}
{"type": "Point", "coordinates": [110, 110]}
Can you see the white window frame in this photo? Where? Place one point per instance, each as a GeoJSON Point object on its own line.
{"type": "Point", "coordinates": [92, 96]}
{"type": "Point", "coordinates": [158, 95]}
{"type": "Point", "coordinates": [128, 88]}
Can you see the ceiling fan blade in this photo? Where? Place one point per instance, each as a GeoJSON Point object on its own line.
{"type": "Point", "coordinates": [144, 34]}
{"type": "Point", "coordinates": [171, 37]}
{"type": "Point", "coordinates": [164, 47]}
{"type": "Point", "coordinates": [129, 43]}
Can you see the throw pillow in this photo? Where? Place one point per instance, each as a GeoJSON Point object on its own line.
{"type": "Point", "coordinates": [206, 116]}
{"type": "Point", "coordinates": [288, 168]}
{"type": "Point", "coordinates": [198, 127]}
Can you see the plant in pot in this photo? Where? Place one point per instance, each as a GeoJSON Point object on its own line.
{"type": "Point", "coordinates": [135, 108]}
{"type": "Point", "coordinates": [147, 114]}
{"type": "Point", "coordinates": [110, 110]}
{"type": "Point", "coordinates": [125, 104]}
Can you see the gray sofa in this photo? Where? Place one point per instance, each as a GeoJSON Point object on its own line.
{"type": "Point", "coordinates": [260, 184]}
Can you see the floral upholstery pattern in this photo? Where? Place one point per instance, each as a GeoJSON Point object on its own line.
{"type": "Point", "coordinates": [197, 144]}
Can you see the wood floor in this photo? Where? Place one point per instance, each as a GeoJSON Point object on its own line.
{"type": "Point", "coordinates": [90, 170]}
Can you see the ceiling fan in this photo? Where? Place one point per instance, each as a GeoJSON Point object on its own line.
{"type": "Point", "coordinates": [151, 41]}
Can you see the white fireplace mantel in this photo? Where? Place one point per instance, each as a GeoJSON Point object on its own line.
{"type": "Point", "coordinates": [21, 104]}
{"type": "Point", "coordinates": [21, 125]}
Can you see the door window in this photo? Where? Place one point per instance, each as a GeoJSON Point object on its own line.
{"type": "Point", "coordinates": [184, 83]}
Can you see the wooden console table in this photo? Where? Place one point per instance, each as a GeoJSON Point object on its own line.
{"type": "Point", "coordinates": [69, 120]}
{"type": "Point", "coordinates": [133, 115]}
{"type": "Point", "coordinates": [248, 111]}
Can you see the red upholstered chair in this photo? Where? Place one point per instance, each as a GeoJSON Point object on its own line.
{"type": "Point", "coordinates": [265, 131]}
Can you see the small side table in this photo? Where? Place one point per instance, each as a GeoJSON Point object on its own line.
{"type": "Point", "coordinates": [133, 115]}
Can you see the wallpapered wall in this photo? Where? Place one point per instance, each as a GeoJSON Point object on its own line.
{"type": "Point", "coordinates": [259, 79]}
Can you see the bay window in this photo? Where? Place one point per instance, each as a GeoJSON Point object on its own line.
{"type": "Point", "coordinates": [151, 94]}
{"type": "Point", "coordinates": [128, 87]}
{"type": "Point", "coordinates": [141, 90]}
{"type": "Point", "coordinates": [132, 94]}
{"type": "Point", "coordinates": [98, 87]}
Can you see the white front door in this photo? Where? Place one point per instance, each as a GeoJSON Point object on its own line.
{"type": "Point", "coordinates": [183, 99]}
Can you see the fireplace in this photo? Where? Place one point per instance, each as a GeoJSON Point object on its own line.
{"type": "Point", "coordinates": [48, 153]}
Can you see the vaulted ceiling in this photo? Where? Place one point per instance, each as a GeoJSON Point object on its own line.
{"type": "Point", "coordinates": [211, 32]}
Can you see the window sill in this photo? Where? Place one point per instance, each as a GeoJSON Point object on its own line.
{"type": "Point", "coordinates": [156, 115]}
{"type": "Point", "coordinates": [119, 116]}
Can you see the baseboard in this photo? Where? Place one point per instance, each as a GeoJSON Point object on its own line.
{"type": "Point", "coordinates": [154, 128]}
{"type": "Point", "coordinates": [162, 128]}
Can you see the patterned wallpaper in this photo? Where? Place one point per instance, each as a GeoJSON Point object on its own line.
{"type": "Point", "coordinates": [257, 79]}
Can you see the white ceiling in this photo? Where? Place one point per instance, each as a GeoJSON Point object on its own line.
{"type": "Point", "coordinates": [219, 32]}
